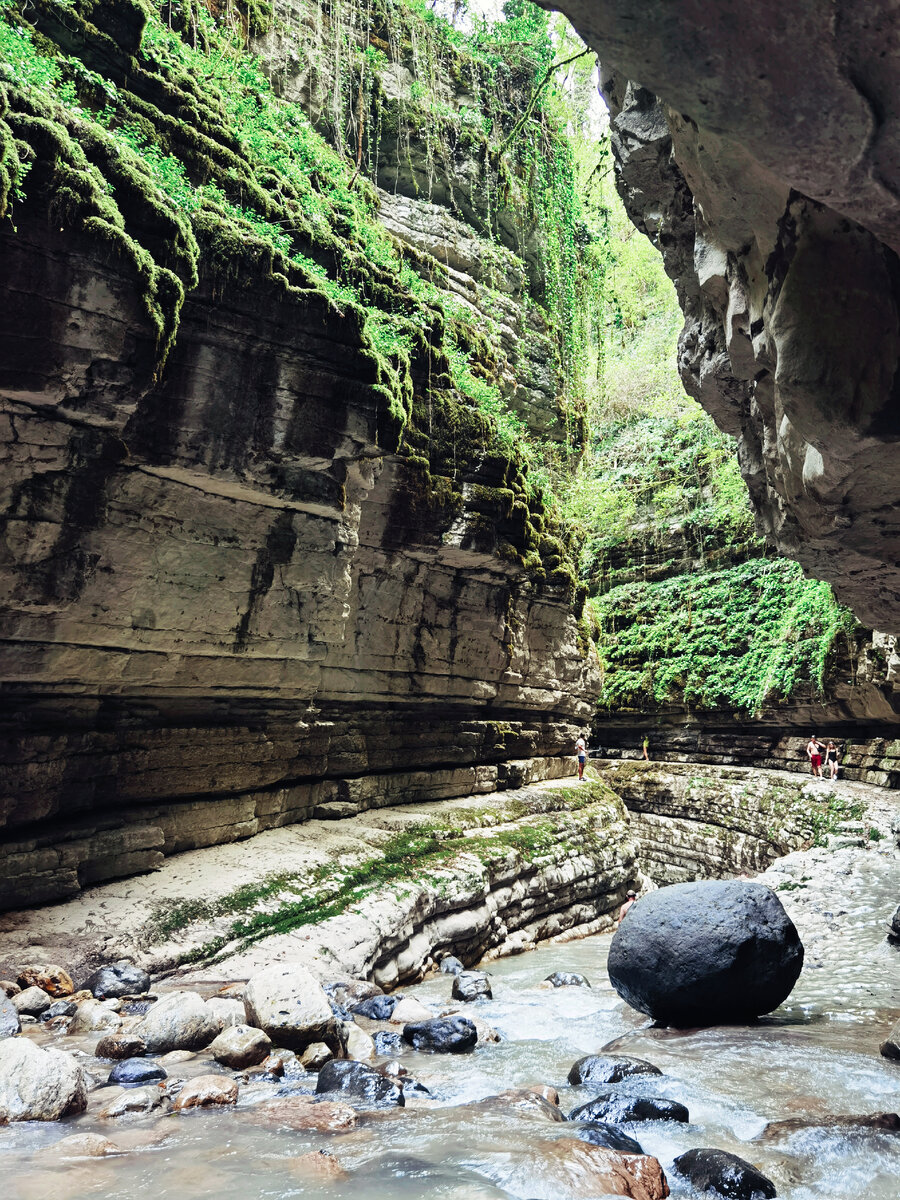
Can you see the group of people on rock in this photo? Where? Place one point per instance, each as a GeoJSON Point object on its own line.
{"type": "Point", "coordinates": [822, 758]}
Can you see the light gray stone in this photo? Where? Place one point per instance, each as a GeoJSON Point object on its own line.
{"type": "Point", "coordinates": [289, 1004]}
{"type": "Point", "coordinates": [240, 1046]}
{"type": "Point", "coordinates": [178, 1021]}
{"type": "Point", "coordinates": [38, 1085]}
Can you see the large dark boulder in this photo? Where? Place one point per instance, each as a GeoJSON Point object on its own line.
{"type": "Point", "coordinates": [120, 978]}
{"type": "Point", "coordinates": [724, 1174]}
{"type": "Point", "coordinates": [706, 953]}
{"type": "Point", "coordinates": [442, 1035]}
{"type": "Point", "coordinates": [360, 1082]}
{"type": "Point", "coordinates": [616, 1107]}
{"type": "Point", "coordinates": [609, 1068]}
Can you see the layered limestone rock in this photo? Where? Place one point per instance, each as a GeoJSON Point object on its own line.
{"type": "Point", "coordinates": [381, 895]}
{"type": "Point", "coordinates": [696, 821]}
{"type": "Point", "coordinates": [772, 193]}
{"type": "Point", "coordinates": [236, 594]}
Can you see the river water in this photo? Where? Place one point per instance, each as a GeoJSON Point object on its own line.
{"type": "Point", "coordinates": [815, 1057]}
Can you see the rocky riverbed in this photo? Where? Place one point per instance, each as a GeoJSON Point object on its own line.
{"type": "Point", "coordinates": [209, 1088]}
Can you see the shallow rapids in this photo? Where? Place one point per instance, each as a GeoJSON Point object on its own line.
{"type": "Point", "coordinates": [816, 1057]}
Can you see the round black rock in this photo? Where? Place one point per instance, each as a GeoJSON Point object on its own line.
{"type": "Point", "coordinates": [346, 1077]}
{"type": "Point", "coordinates": [470, 985]}
{"type": "Point", "coordinates": [598, 1133]}
{"type": "Point", "coordinates": [135, 1072]}
{"type": "Point", "coordinates": [376, 1008]}
{"type": "Point", "coordinates": [442, 1035]}
{"type": "Point", "coordinates": [609, 1068]}
{"type": "Point", "coordinates": [724, 1174]}
{"type": "Point", "coordinates": [567, 979]}
{"type": "Point", "coordinates": [118, 979]}
{"type": "Point", "coordinates": [706, 953]}
{"type": "Point", "coordinates": [616, 1108]}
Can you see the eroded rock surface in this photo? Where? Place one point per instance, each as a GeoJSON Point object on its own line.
{"type": "Point", "coordinates": [774, 195]}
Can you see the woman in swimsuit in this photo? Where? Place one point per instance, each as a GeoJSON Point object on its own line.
{"type": "Point", "coordinates": [831, 763]}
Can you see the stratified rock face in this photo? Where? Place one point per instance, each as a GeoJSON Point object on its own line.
{"type": "Point", "coordinates": [706, 954]}
{"type": "Point", "coordinates": [232, 603]}
{"type": "Point", "coordinates": [758, 146]}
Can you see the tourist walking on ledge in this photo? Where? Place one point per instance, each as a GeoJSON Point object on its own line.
{"type": "Point", "coordinates": [581, 755]}
{"type": "Point", "coordinates": [814, 754]}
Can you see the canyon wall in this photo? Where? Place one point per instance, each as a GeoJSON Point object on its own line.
{"type": "Point", "coordinates": [758, 148]}
{"type": "Point", "coordinates": [291, 570]}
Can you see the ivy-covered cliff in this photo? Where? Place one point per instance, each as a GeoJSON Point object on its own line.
{"type": "Point", "coordinates": [281, 297]}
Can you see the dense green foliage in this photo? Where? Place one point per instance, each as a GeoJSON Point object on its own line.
{"type": "Point", "coordinates": [736, 638]}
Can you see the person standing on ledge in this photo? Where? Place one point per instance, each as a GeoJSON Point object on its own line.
{"type": "Point", "coordinates": [647, 748]}
{"type": "Point", "coordinates": [581, 755]}
{"type": "Point", "coordinates": [831, 763]}
{"type": "Point", "coordinates": [814, 754]}
{"type": "Point", "coordinates": [631, 898]}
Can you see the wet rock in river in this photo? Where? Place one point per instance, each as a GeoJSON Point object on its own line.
{"type": "Point", "coordinates": [359, 1045]}
{"type": "Point", "coordinates": [615, 1107]}
{"type": "Point", "coordinates": [724, 1174]}
{"type": "Point", "coordinates": [10, 1024]}
{"type": "Point", "coordinates": [442, 1035]}
{"type": "Point", "coordinates": [316, 1055]}
{"type": "Point", "coordinates": [317, 1166]}
{"type": "Point", "coordinates": [120, 978]}
{"type": "Point", "coordinates": [303, 1112]}
{"type": "Point", "coordinates": [388, 1042]}
{"type": "Point", "coordinates": [83, 1145]}
{"type": "Point", "coordinates": [705, 953]}
{"type": "Point", "coordinates": [178, 1021]}
{"type": "Point", "coordinates": [469, 985]}
{"type": "Point", "coordinates": [888, 1122]}
{"type": "Point", "coordinates": [53, 980]}
{"type": "Point", "coordinates": [376, 1008]}
{"type": "Point", "coordinates": [599, 1133]}
{"type": "Point", "coordinates": [609, 1068]}
{"type": "Point", "coordinates": [120, 1045]}
{"type": "Point", "coordinates": [59, 1008]}
{"type": "Point", "coordinates": [94, 1017]}
{"type": "Point", "coordinates": [569, 1167]}
{"type": "Point", "coordinates": [409, 1010]}
{"type": "Point", "coordinates": [521, 1100]}
{"type": "Point", "coordinates": [348, 992]}
{"type": "Point", "coordinates": [451, 965]}
{"type": "Point", "coordinates": [206, 1091]}
{"type": "Point", "coordinates": [566, 979]}
{"type": "Point", "coordinates": [136, 1102]}
{"type": "Point", "coordinates": [38, 1085]}
{"type": "Point", "coordinates": [361, 1082]}
{"type": "Point", "coordinates": [890, 1047]}
{"type": "Point", "coordinates": [291, 1007]}
{"type": "Point", "coordinates": [240, 1046]}
{"type": "Point", "coordinates": [136, 1072]}
{"type": "Point", "coordinates": [31, 1002]}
